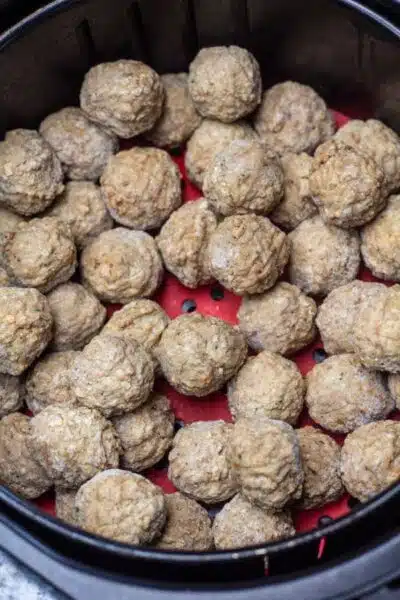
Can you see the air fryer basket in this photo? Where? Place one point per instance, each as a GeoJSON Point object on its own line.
{"type": "Point", "coordinates": [351, 55]}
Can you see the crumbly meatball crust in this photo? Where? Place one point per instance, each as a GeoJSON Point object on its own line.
{"type": "Point", "coordinates": [11, 396]}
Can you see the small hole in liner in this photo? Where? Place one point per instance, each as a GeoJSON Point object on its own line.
{"type": "Point", "coordinates": [217, 293]}
{"type": "Point", "coordinates": [178, 425]}
{"type": "Point", "coordinates": [353, 502]}
{"type": "Point", "coordinates": [162, 464]}
{"type": "Point", "coordinates": [189, 306]}
{"type": "Point", "coordinates": [324, 520]}
{"type": "Point", "coordinates": [319, 355]}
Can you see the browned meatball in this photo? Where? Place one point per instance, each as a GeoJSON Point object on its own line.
{"type": "Point", "coordinates": [65, 505]}
{"type": "Point", "coordinates": [394, 388]}
{"type": "Point", "coordinates": [11, 397]}
{"type": "Point", "coordinates": [9, 221]}
{"type": "Point", "coordinates": [5, 280]}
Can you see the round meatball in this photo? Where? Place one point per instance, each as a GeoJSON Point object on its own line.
{"type": "Point", "coordinates": [210, 138]}
{"type": "Point", "coordinates": [323, 257]}
{"type": "Point", "coordinates": [73, 443]}
{"type": "Point", "coordinates": [5, 280]}
{"type": "Point", "coordinates": [225, 83]}
{"type": "Point", "coordinates": [265, 456]}
{"type": "Point", "coordinates": [82, 146]}
{"type": "Point", "coordinates": [394, 388]}
{"type": "Point", "coordinates": [320, 457]}
{"type": "Point", "coordinates": [11, 397]}
{"type": "Point", "coordinates": [346, 184]}
{"type": "Point", "coordinates": [179, 118]}
{"type": "Point", "coordinates": [30, 173]}
{"type": "Point", "coordinates": [293, 118]}
{"type": "Point", "coordinates": [19, 469]}
{"type": "Point", "coordinates": [188, 526]}
{"type": "Point", "coordinates": [126, 96]}
{"type": "Point", "coordinates": [141, 187]}
{"type": "Point", "coordinates": [240, 524]}
{"type": "Point", "coordinates": [184, 242]}
{"type": "Point", "coordinates": [342, 394]}
{"type": "Point", "coordinates": [49, 382]}
{"type": "Point", "coordinates": [280, 320]}
{"type": "Point", "coordinates": [9, 221]}
{"type": "Point", "coordinates": [198, 462]}
{"type": "Point", "coordinates": [65, 505]}
{"type": "Point", "coordinates": [25, 328]}
{"type": "Point", "coordinates": [77, 315]}
{"type": "Point", "coordinates": [371, 459]}
{"type": "Point", "coordinates": [243, 178]}
{"type": "Point", "coordinates": [267, 385]}
{"type": "Point", "coordinates": [145, 434]}
{"type": "Point", "coordinates": [113, 374]}
{"type": "Point", "coordinates": [199, 354]}
{"type": "Point", "coordinates": [248, 254]}
{"type": "Point", "coordinates": [121, 265]}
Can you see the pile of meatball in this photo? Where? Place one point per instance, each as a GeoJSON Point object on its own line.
{"type": "Point", "coordinates": [284, 195]}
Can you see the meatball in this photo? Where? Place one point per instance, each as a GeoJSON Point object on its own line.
{"type": "Point", "coordinates": [297, 203]}
{"type": "Point", "coordinates": [265, 456]}
{"type": "Point", "coordinates": [323, 257]}
{"type": "Point", "coordinates": [293, 118]}
{"type": "Point", "coordinates": [198, 462]}
{"type": "Point", "coordinates": [184, 241]}
{"type": "Point", "coordinates": [243, 178]}
{"type": "Point", "coordinates": [199, 354]}
{"type": "Point", "coordinates": [267, 385]}
{"type": "Point", "coordinates": [280, 320]}
{"type": "Point", "coordinates": [82, 146]}
{"type": "Point", "coordinates": [141, 187]}
{"type": "Point", "coordinates": [11, 397]}
{"type": "Point", "coordinates": [30, 173]}
{"type": "Point", "coordinates": [81, 206]}
{"type": "Point", "coordinates": [49, 382]}
{"type": "Point", "coordinates": [240, 524]}
{"type": "Point", "coordinates": [73, 443]}
{"type": "Point", "coordinates": [25, 328]}
{"type": "Point", "coordinates": [320, 456]}
{"type": "Point", "coordinates": [188, 526]}
{"type": "Point", "coordinates": [210, 138]}
{"type": "Point", "coordinates": [179, 118]}
{"type": "Point", "coordinates": [65, 505]}
{"type": "Point", "coordinates": [371, 459]}
{"type": "Point", "coordinates": [77, 315]}
{"type": "Point", "coordinates": [113, 374]}
{"type": "Point", "coordinates": [125, 96]}
{"type": "Point", "coordinates": [121, 265]}
{"type": "Point", "coordinates": [19, 469]}
{"type": "Point", "coordinates": [342, 394]}
{"type": "Point", "coordinates": [394, 388]}
{"type": "Point", "coordinates": [346, 184]}
{"type": "Point", "coordinates": [9, 221]}
{"type": "Point", "coordinates": [145, 434]}
{"type": "Point", "coordinates": [5, 280]}
{"type": "Point", "coordinates": [40, 254]}
{"type": "Point", "coordinates": [248, 254]}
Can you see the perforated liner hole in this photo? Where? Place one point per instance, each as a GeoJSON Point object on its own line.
{"type": "Point", "coordinates": [178, 425]}
{"type": "Point", "coordinates": [189, 306]}
{"type": "Point", "coordinates": [353, 502]}
{"type": "Point", "coordinates": [217, 293]}
{"type": "Point", "coordinates": [162, 464]}
{"type": "Point", "coordinates": [319, 355]}
{"type": "Point", "coordinates": [324, 520]}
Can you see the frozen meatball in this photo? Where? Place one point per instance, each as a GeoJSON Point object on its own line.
{"type": "Point", "coordinates": [179, 118]}
{"type": "Point", "coordinates": [371, 459]}
{"type": "Point", "coordinates": [184, 242]}
{"type": "Point", "coordinates": [19, 469]}
{"type": "Point", "coordinates": [297, 203]}
{"type": "Point", "coordinates": [199, 354]}
{"type": "Point", "coordinates": [293, 118]}
{"type": "Point", "coordinates": [82, 146]}
{"type": "Point", "coordinates": [208, 140]}
{"type": "Point", "coordinates": [113, 374]}
{"type": "Point", "coordinates": [5, 280]}
{"type": "Point", "coordinates": [346, 184]}
{"type": "Point", "coordinates": [65, 505]}
{"type": "Point", "coordinates": [31, 175]}
{"type": "Point", "coordinates": [145, 434]}
{"type": "Point", "coordinates": [240, 524]}
{"type": "Point", "coordinates": [188, 526]}
{"type": "Point", "coordinates": [248, 254]}
{"type": "Point", "coordinates": [9, 221]}
{"type": "Point", "coordinates": [265, 456]}
{"type": "Point", "coordinates": [121, 265]}
{"type": "Point", "coordinates": [125, 96]}
{"type": "Point", "coordinates": [267, 385]}
{"type": "Point", "coordinates": [320, 457]}
{"type": "Point", "coordinates": [77, 315]}
{"type": "Point", "coordinates": [198, 463]}
{"type": "Point", "coordinates": [394, 388]}
{"type": "Point", "coordinates": [342, 394]}
{"type": "Point", "coordinates": [121, 506]}
{"type": "Point", "coordinates": [73, 443]}
{"type": "Point", "coordinates": [40, 254]}
{"type": "Point", "coordinates": [11, 397]}
{"type": "Point", "coordinates": [25, 328]}
{"type": "Point", "coordinates": [243, 178]}
{"type": "Point", "coordinates": [280, 320]}
{"type": "Point", "coordinates": [141, 187]}
{"type": "Point", "coordinates": [82, 207]}
{"type": "Point", "coordinates": [49, 382]}
{"type": "Point", "coordinates": [323, 257]}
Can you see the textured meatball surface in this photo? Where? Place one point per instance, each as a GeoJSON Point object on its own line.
{"type": "Point", "coordinates": [9, 221]}
{"type": "Point", "coordinates": [65, 505]}
{"type": "Point", "coordinates": [11, 396]}
{"type": "Point", "coordinates": [394, 388]}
